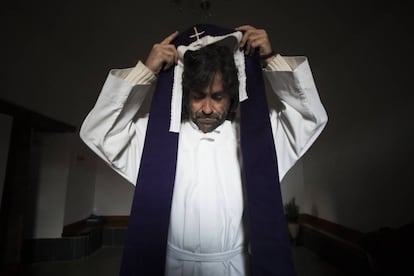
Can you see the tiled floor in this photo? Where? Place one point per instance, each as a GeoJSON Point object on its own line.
{"type": "Point", "coordinates": [106, 261]}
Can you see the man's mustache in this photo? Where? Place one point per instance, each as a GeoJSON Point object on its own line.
{"type": "Point", "coordinates": [208, 116]}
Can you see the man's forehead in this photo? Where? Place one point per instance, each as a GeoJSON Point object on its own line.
{"type": "Point", "coordinates": [215, 85]}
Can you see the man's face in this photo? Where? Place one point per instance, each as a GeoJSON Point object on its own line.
{"type": "Point", "coordinates": [208, 108]}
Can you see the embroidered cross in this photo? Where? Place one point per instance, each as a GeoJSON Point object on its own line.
{"type": "Point", "coordinates": [196, 34]}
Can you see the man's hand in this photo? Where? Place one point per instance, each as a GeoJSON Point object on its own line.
{"type": "Point", "coordinates": [255, 39]}
{"type": "Point", "coordinates": [163, 55]}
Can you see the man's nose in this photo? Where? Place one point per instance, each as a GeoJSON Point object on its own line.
{"type": "Point", "coordinates": [207, 107]}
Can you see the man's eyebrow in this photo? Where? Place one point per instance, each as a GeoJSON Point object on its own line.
{"type": "Point", "coordinates": [197, 92]}
{"type": "Point", "coordinates": [220, 92]}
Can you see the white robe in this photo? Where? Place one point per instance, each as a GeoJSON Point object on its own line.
{"type": "Point", "coordinates": [206, 235]}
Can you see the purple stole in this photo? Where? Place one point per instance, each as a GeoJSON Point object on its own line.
{"type": "Point", "coordinates": [146, 242]}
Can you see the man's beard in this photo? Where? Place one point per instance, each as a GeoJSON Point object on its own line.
{"type": "Point", "coordinates": [208, 123]}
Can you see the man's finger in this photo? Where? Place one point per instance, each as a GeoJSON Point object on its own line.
{"type": "Point", "coordinates": [172, 51]}
{"type": "Point", "coordinates": [247, 37]}
{"type": "Point", "coordinates": [170, 38]}
{"type": "Point", "coordinates": [244, 28]}
{"type": "Point", "coordinates": [167, 65]}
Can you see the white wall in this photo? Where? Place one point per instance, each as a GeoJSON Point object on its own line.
{"type": "Point", "coordinates": [80, 191]}
{"type": "Point", "coordinates": [54, 163]}
{"type": "Point", "coordinates": [293, 185]}
{"type": "Point", "coordinates": [64, 183]}
{"type": "Point", "coordinates": [6, 123]}
{"type": "Point", "coordinates": [113, 194]}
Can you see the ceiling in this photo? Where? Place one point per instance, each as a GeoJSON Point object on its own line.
{"type": "Point", "coordinates": [57, 54]}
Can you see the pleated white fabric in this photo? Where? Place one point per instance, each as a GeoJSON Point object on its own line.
{"type": "Point", "coordinates": [207, 208]}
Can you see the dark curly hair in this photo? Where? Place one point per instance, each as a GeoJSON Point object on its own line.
{"type": "Point", "coordinates": [200, 68]}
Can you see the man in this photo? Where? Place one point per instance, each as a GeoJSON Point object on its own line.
{"type": "Point", "coordinates": [207, 234]}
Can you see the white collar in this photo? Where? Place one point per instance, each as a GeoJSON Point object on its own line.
{"type": "Point", "coordinates": [193, 132]}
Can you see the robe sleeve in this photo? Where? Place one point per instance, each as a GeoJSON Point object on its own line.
{"type": "Point", "coordinates": [114, 129]}
{"type": "Point", "coordinates": [296, 113]}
